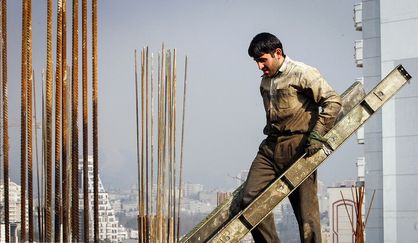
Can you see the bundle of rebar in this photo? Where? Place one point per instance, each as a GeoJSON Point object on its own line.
{"type": "Point", "coordinates": [158, 211]}
{"type": "Point", "coordinates": [65, 145]}
{"type": "Point", "coordinates": [357, 221]}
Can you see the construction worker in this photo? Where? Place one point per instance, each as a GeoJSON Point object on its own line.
{"type": "Point", "coordinates": [300, 108]}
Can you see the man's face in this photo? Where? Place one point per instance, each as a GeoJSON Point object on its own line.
{"type": "Point", "coordinates": [269, 63]}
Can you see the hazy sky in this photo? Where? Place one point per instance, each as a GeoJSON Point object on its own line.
{"type": "Point", "coordinates": [225, 116]}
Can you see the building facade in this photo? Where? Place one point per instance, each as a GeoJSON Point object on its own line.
{"type": "Point", "coordinates": [14, 211]}
{"type": "Point", "coordinates": [109, 228]}
{"type": "Point", "coordinates": [390, 36]}
{"type": "Point", "coordinates": [341, 212]}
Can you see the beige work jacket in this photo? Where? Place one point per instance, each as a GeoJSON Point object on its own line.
{"type": "Point", "coordinates": [293, 98]}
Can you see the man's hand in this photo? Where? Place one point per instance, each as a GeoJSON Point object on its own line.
{"type": "Point", "coordinates": [315, 143]}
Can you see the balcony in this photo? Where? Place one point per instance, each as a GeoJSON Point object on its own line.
{"type": "Point", "coordinates": [358, 9]}
{"type": "Point", "coordinates": [358, 53]}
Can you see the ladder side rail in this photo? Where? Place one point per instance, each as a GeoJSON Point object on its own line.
{"type": "Point", "coordinates": [249, 218]}
{"type": "Point", "coordinates": [222, 214]}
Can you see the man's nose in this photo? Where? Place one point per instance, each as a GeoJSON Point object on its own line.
{"type": "Point", "coordinates": [260, 65]}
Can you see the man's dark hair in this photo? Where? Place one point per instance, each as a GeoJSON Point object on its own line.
{"type": "Point", "coordinates": [264, 43]}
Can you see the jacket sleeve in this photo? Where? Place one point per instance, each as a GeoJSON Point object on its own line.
{"type": "Point", "coordinates": [316, 87]}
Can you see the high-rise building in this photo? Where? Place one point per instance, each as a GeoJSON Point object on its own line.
{"type": "Point", "coordinates": [14, 210]}
{"type": "Point", "coordinates": [389, 38]}
{"type": "Point", "coordinates": [109, 228]}
{"type": "Point", "coordinates": [14, 201]}
{"type": "Point", "coordinates": [192, 190]}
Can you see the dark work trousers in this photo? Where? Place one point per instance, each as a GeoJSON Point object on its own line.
{"type": "Point", "coordinates": [275, 155]}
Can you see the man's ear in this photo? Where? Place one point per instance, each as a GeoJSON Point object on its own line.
{"type": "Point", "coordinates": [278, 52]}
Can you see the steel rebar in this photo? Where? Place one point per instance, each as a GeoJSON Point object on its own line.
{"type": "Point", "coordinates": [182, 148]}
{"type": "Point", "coordinates": [86, 203]}
{"type": "Point", "coordinates": [159, 153]}
{"type": "Point", "coordinates": [146, 228]}
{"type": "Point", "coordinates": [38, 179]}
{"type": "Point", "coordinates": [48, 150]}
{"type": "Point", "coordinates": [5, 119]}
{"type": "Point", "coordinates": [23, 114]}
{"type": "Point", "coordinates": [95, 124]}
{"type": "Point", "coordinates": [152, 233]}
{"type": "Point", "coordinates": [137, 141]}
{"type": "Point", "coordinates": [58, 90]}
{"type": "Point", "coordinates": [164, 148]}
{"type": "Point", "coordinates": [169, 124]}
{"type": "Point", "coordinates": [74, 127]}
{"type": "Point", "coordinates": [29, 75]}
{"type": "Point", "coordinates": [142, 224]}
{"type": "Point", "coordinates": [174, 124]}
{"type": "Point", "coordinates": [64, 128]}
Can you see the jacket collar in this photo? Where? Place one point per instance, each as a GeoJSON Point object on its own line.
{"type": "Point", "coordinates": [283, 67]}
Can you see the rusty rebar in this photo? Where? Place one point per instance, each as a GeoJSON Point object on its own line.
{"type": "Point", "coordinates": [95, 124]}
{"type": "Point", "coordinates": [370, 206]}
{"type": "Point", "coordinates": [146, 230]}
{"type": "Point", "coordinates": [152, 233]}
{"type": "Point", "coordinates": [58, 87]}
{"type": "Point", "coordinates": [141, 202]}
{"type": "Point", "coordinates": [39, 189]}
{"type": "Point", "coordinates": [86, 206]}
{"type": "Point", "coordinates": [23, 110]}
{"type": "Point", "coordinates": [29, 75]}
{"type": "Point", "coordinates": [174, 124]}
{"type": "Point", "coordinates": [182, 148]}
{"type": "Point", "coordinates": [170, 145]}
{"type": "Point", "coordinates": [74, 126]}
{"type": "Point", "coordinates": [48, 150]}
{"type": "Point", "coordinates": [64, 127]}
{"type": "Point", "coordinates": [164, 149]}
{"type": "Point", "coordinates": [137, 141]}
{"type": "Point", "coordinates": [5, 119]}
{"type": "Point", "coordinates": [42, 226]}
{"type": "Point", "coordinates": [159, 153]}
{"type": "Point", "coordinates": [360, 226]}
{"type": "Point", "coordinates": [351, 218]}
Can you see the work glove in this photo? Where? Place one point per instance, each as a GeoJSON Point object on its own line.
{"type": "Point", "coordinates": [315, 143]}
